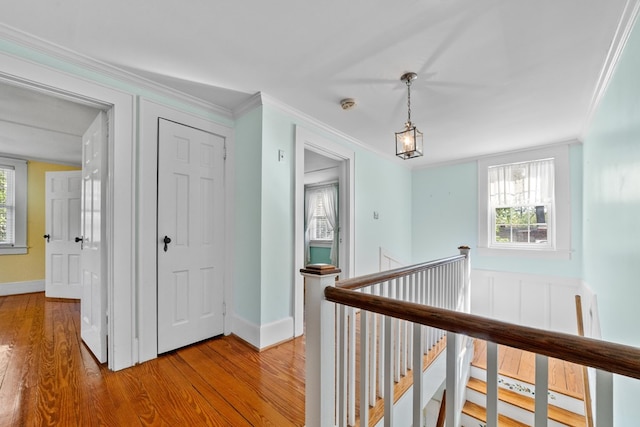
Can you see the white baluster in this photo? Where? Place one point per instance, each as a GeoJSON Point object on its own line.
{"type": "Point", "coordinates": [492, 384]}
{"type": "Point", "coordinates": [418, 395]}
{"type": "Point", "coordinates": [364, 367]}
{"type": "Point", "coordinates": [542, 391]}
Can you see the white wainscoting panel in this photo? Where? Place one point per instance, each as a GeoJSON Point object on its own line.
{"type": "Point", "coordinates": [539, 301]}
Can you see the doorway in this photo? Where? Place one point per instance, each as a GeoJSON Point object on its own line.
{"type": "Point", "coordinates": [328, 155]}
{"type": "Point", "coordinates": [33, 78]}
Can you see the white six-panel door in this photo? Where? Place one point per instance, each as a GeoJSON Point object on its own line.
{"type": "Point", "coordinates": [93, 312]}
{"type": "Point", "coordinates": [190, 235]}
{"type": "Point", "coordinates": [62, 225]}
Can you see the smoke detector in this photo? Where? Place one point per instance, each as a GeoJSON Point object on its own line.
{"type": "Point", "coordinates": [348, 103]}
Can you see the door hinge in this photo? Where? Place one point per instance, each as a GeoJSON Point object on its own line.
{"type": "Point", "coordinates": [224, 308]}
{"type": "Point", "coordinates": [224, 156]}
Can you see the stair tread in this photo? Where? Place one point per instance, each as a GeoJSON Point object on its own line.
{"type": "Point", "coordinates": [555, 413]}
{"type": "Point", "coordinates": [480, 413]}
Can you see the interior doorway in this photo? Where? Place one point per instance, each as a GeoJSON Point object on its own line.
{"type": "Point", "coordinates": [50, 128]}
{"type": "Point", "coordinates": [333, 162]}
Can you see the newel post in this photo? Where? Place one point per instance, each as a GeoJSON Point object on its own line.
{"type": "Point", "coordinates": [466, 250]}
{"type": "Point", "coordinates": [320, 344]}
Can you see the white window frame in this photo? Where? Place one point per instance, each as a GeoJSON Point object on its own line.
{"type": "Point", "coordinates": [20, 215]}
{"type": "Point", "coordinates": [560, 212]}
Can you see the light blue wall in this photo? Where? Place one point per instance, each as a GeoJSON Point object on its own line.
{"type": "Point", "coordinates": [277, 216]}
{"type": "Point", "coordinates": [612, 216]}
{"type": "Point", "coordinates": [377, 184]}
{"type": "Point", "coordinates": [445, 208]}
{"type": "Point", "coordinates": [383, 187]}
{"type": "Point", "coordinates": [248, 226]}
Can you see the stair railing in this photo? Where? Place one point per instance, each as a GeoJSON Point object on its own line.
{"type": "Point", "coordinates": [389, 348]}
{"type": "Point", "coordinates": [322, 295]}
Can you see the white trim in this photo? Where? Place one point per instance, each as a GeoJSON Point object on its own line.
{"type": "Point", "coordinates": [623, 31]}
{"type": "Point", "coordinates": [263, 336]}
{"type": "Point", "coordinates": [561, 210]}
{"type": "Point", "coordinates": [150, 111]}
{"type": "Point", "coordinates": [16, 288]}
{"type": "Point", "coordinates": [261, 99]}
{"type": "Point", "coordinates": [120, 277]}
{"type": "Point", "coordinates": [305, 139]}
{"type": "Point", "coordinates": [247, 331]}
{"type": "Point", "coordinates": [275, 332]}
{"type": "Point", "coordinates": [67, 55]}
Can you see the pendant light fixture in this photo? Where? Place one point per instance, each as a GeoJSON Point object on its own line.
{"type": "Point", "coordinates": [409, 141]}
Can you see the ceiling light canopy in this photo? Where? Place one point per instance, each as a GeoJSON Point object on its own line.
{"type": "Point", "coordinates": [409, 142]}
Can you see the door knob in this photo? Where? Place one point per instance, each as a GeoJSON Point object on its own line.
{"type": "Point", "coordinates": [81, 240]}
{"type": "Point", "coordinates": [47, 236]}
{"type": "Point", "coordinates": [166, 241]}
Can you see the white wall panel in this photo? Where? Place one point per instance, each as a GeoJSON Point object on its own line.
{"type": "Point", "coordinates": [539, 301]}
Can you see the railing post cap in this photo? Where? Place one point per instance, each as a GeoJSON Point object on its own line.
{"type": "Point", "coordinates": [320, 269]}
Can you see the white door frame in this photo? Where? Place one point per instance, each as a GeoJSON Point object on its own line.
{"type": "Point", "coordinates": [306, 140]}
{"type": "Point", "coordinates": [147, 307]}
{"type": "Point", "coordinates": [121, 148]}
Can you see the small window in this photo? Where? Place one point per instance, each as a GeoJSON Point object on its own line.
{"type": "Point", "coordinates": [13, 206]}
{"type": "Point", "coordinates": [319, 227]}
{"type": "Point", "coordinates": [524, 204]}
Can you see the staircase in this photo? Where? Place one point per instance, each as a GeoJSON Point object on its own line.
{"type": "Point", "coordinates": [516, 399]}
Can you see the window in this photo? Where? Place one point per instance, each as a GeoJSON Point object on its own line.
{"type": "Point", "coordinates": [524, 206]}
{"type": "Point", "coordinates": [319, 227]}
{"type": "Point", "coordinates": [13, 206]}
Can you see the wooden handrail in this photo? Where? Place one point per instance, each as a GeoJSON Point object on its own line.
{"type": "Point", "coordinates": [371, 279]}
{"type": "Point", "coordinates": [616, 358]}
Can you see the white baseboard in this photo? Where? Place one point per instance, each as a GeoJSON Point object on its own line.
{"type": "Point", "coordinates": [263, 336]}
{"type": "Point", "coordinates": [16, 288]}
{"type": "Point", "coordinates": [276, 332]}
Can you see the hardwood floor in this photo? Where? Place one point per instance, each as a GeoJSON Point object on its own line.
{"type": "Point", "coordinates": [564, 377]}
{"type": "Point", "coordinates": [48, 377]}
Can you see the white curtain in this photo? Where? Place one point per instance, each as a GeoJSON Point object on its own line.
{"type": "Point", "coordinates": [522, 184]}
{"type": "Point", "coordinates": [310, 201]}
{"type": "Point", "coordinates": [328, 195]}
{"type": "Point", "coordinates": [330, 202]}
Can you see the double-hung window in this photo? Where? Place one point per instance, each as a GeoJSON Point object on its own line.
{"type": "Point", "coordinates": [319, 229]}
{"type": "Point", "coordinates": [13, 206]}
{"type": "Point", "coordinates": [524, 204]}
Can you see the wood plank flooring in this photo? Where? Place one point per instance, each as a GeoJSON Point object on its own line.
{"type": "Point", "coordinates": [48, 377]}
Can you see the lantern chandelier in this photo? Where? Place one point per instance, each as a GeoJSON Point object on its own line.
{"type": "Point", "coordinates": [409, 141]}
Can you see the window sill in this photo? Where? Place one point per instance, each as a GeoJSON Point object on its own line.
{"type": "Point", "coordinates": [13, 250]}
{"type": "Point", "coordinates": [320, 243]}
{"type": "Point", "coordinates": [525, 253]}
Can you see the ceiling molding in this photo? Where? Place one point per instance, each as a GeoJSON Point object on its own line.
{"type": "Point", "coordinates": [249, 105]}
{"type": "Point", "coordinates": [567, 142]}
{"type": "Point", "coordinates": [620, 38]}
{"type": "Point", "coordinates": [261, 99]}
{"type": "Point", "coordinates": [63, 54]}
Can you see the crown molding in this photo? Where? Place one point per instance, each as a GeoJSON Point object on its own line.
{"type": "Point", "coordinates": [64, 54]}
{"type": "Point", "coordinates": [620, 38]}
{"type": "Point", "coordinates": [262, 99]}
{"type": "Point", "coordinates": [565, 142]}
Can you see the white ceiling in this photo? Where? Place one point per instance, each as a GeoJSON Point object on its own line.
{"type": "Point", "coordinates": [40, 127]}
{"type": "Point", "coordinates": [493, 75]}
